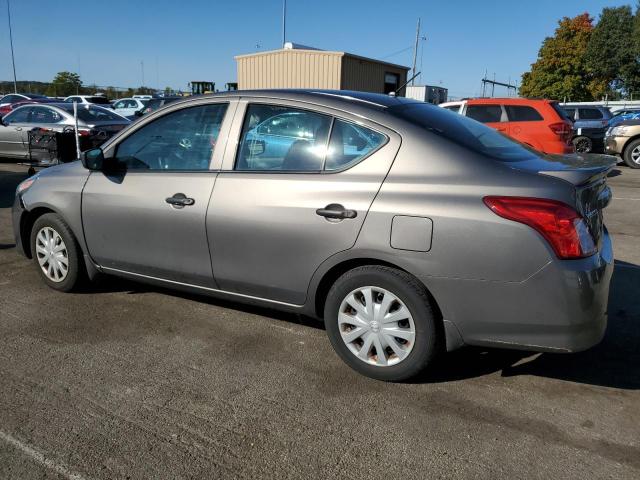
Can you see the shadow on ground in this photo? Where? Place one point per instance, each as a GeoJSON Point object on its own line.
{"type": "Point", "coordinates": [8, 183]}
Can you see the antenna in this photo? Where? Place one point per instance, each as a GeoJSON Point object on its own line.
{"type": "Point", "coordinates": [395, 92]}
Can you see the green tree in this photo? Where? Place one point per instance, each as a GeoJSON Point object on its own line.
{"type": "Point", "coordinates": [610, 54]}
{"type": "Point", "coordinates": [560, 70]}
{"type": "Point", "coordinates": [64, 84]}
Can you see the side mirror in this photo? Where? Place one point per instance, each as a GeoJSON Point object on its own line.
{"type": "Point", "coordinates": [93, 159]}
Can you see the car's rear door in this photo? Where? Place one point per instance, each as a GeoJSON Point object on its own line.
{"type": "Point", "coordinates": [270, 222]}
{"type": "Point", "coordinates": [147, 216]}
{"type": "Point", "coordinates": [13, 133]}
{"type": "Point", "coordinates": [526, 124]}
{"type": "Point", "coordinates": [492, 115]}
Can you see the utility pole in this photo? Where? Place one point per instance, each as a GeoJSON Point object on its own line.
{"type": "Point", "coordinates": [13, 61]}
{"type": "Point", "coordinates": [415, 52]}
{"type": "Point", "coordinates": [284, 22]}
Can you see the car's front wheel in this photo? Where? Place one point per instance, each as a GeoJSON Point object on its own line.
{"type": "Point", "coordinates": [380, 321]}
{"type": "Point", "coordinates": [631, 154]}
{"type": "Point", "coordinates": [56, 253]}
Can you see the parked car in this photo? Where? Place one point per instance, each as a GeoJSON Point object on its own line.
{"type": "Point", "coordinates": [14, 141]}
{"type": "Point", "coordinates": [7, 102]}
{"type": "Point", "coordinates": [155, 103]}
{"type": "Point", "coordinates": [541, 124]}
{"type": "Point", "coordinates": [89, 100]}
{"type": "Point", "coordinates": [434, 233]}
{"type": "Point", "coordinates": [623, 115]}
{"type": "Point", "coordinates": [624, 140]}
{"type": "Point", "coordinates": [590, 123]}
{"type": "Point", "coordinates": [127, 107]}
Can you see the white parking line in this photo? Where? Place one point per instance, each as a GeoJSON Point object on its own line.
{"type": "Point", "coordinates": [626, 198]}
{"type": "Point", "coordinates": [40, 458]}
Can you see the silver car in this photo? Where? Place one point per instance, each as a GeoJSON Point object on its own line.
{"type": "Point", "coordinates": [15, 126]}
{"type": "Point", "coordinates": [408, 229]}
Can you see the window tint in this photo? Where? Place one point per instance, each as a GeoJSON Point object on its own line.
{"type": "Point", "coordinates": [590, 114]}
{"type": "Point", "coordinates": [12, 99]}
{"type": "Point", "coordinates": [485, 113]}
{"type": "Point", "coordinates": [462, 131]}
{"type": "Point", "coordinates": [453, 108]}
{"type": "Point", "coordinates": [570, 112]}
{"type": "Point", "coordinates": [73, 99]}
{"type": "Point", "coordinates": [120, 104]}
{"type": "Point", "coordinates": [522, 113]}
{"type": "Point", "coordinates": [350, 143]}
{"type": "Point", "coordinates": [282, 138]}
{"type": "Point", "coordinates": [20, 115]}
{"type": "Point", "coordinates": [93, 114]}
{"type": "Point", "coordinates": [181, 140]}
{"type": "Point", "coordinates": [44, 115]}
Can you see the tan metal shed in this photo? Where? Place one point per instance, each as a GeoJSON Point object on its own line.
{"type": "Point", "coordinates": [305, 67]}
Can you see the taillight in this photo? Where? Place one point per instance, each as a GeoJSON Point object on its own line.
{"type": "Point", "coordinates": [561, 129]}
{"type": "Point", "coordinates": [563, 227]}
{"type": "Point", "coordinates": [83, 132]}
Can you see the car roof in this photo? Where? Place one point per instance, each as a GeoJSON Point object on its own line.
{"type": "Point", "coordinates": [508, 101]}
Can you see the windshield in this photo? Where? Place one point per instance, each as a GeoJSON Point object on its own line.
{"type": "Point", "coordinates": [463, 131]}
{"type": "Point", "coordinates": [91, 114]}
{"type": "Point", "coordinates": [98, 100]}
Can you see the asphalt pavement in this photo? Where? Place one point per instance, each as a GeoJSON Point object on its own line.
{"type": "Point", "coordinates": [132, 381]}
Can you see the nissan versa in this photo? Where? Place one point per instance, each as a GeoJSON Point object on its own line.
{"type": "Point", "coordinates": [409, 229]}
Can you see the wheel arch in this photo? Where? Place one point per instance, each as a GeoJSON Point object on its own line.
{"type": "Point", "coordinates": [26, 225]}
{"type": "Point", "coordinates": [629, 142]}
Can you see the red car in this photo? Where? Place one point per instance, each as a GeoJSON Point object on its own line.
{"type": "Point", "coordinates": [541, 124]}
{"type": "Point", "coordinates": [14, 100]}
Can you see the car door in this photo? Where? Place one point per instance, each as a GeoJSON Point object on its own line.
{"type": "Point", "coordinates": [146, 214]}
{"type": "Point", "coordinates": [526, 124]}
{"type": "Point", "coordinates": [13, 133]}
{"type": "Point", "coordinates": [126, 107]}
{"type": "Point", "coordinates": [492, 115]}
{"type": "Point", "coordinates": [273, 221]}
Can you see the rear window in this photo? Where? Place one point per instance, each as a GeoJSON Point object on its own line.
{"type": "Point", "coordinates": [484, 113]}
{"type": "Point", "coordinates": [92, 114]}
{"type": "Point", "coordinates": [564, 112]}
{"type": "Point", "coordinates": [522, 113]}
{"type": "Point", "coordinates": [590, 114]}
{"type": "Point", "coordinates": [463, 131]}
{"type": "Point", "coordinates": [98, 100]}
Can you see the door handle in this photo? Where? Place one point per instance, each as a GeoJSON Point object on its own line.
{"type": "Point", "coordinates": [179, 200]}
{"type": "Point", "coordinates": [336, 211]}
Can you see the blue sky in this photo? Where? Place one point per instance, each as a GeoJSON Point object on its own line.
{"type": "Point", "coordinates": [197, 40]}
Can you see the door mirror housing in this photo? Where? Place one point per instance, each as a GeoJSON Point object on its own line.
{"type": "Point", "coordinates": [93, 159]}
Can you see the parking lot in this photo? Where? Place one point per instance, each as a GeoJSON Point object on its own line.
{"type": "Point", "coordinates": [131, 381]}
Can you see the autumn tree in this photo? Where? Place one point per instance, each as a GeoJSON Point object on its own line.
{"type": "Point", "coordinates": [560, 70]}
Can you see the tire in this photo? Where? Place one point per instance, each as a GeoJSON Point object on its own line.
{"type": "Point", "coordinates": [51, 229]}
{"type": "Point", "coordinates": [633, 149]}
{"type": "Point", "coordinates": [582, 144]}
{"type": "Point", "coordinates": [418, 354]}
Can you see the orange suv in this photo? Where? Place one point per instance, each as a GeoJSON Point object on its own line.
{"type": "Point", "coordinates": [541, 124]}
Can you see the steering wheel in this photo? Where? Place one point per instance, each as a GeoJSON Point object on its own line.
{"type": "Point", "coordinates": [185, 143]}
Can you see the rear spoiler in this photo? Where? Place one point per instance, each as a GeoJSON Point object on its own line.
{"type": "Point", "coordinates": [583, 169]}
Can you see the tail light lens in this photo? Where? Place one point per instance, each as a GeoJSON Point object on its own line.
{"type": "Point", "coordinates": [83, 132]}
{"type": "Point", "coordinates": [563, 227]}
{"type": "Point", "coordinates": [562, 129]}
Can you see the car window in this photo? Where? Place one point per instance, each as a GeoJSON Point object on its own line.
{"type": "Point", "coordinates": [44, 115]}
{"type": "Point", "coordinates": [282, 138]}
{"type": "Point", "coordinates": [570, 112]}
{"type": "Point", "coordinates": [93, 114]}
{"type": "Point", "coordinates": [453, 108]}
{"type": "Point", "coordinates": [120, 104]}
{"type": "Point", "coordinates": [131, 104]}
{"type": "Point", "coordinates": [590, 114]}
{"type": "Point", "coordinates": [98, 100]}
{"type": "Point", "coordinates": [485, 113]}
{"type": "Point", "coordinates": [522, 113]}
{"type": "Point", "coordinates": [181, 140]}
{"type": "Point", "coordinates": [462, 131]}
{"type": "Point", "coordinates": [20, 115]}
{"type": "Point", "coordinates": [349, 144]}
{"type": "Point", "coordinates": [12, 99]}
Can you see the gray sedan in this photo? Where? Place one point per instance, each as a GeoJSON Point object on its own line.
{"type": "Point", "coordinates": [434, 233]}
{"type": "Point", "coordinates": [14, 127]}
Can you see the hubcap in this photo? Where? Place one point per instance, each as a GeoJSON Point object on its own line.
{"type": "Point", "coordinates": [635, 154]}
{"type": "Point", "coordinates": [52, 254]}
{"type": "Point", "coordinates": [582, 146]}
{"type": "Point", "coordinates": [376, 326]}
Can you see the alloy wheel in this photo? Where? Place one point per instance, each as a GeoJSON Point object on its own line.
{"type": "Point", "coordinates": [52, 254]}
{"type": "Point", "coordinates": [635, 155]}
{"type": "Point", "coordinates": [376, 326]}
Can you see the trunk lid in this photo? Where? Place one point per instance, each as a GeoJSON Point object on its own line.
{"type": "Point", "coordinates": [588, 175]}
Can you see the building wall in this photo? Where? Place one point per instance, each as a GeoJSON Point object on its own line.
{"type": "Point", "coordinates": [367, 75]}
{"type": "Point", "coordinates": [289, 69]}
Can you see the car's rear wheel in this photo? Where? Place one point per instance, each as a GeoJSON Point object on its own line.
{"type": "Point", "coordinates": [56, 253]}
{"type": "Point", "coordinates": [582, 144]}
{"type": "Point", "coordinates": [380, 321]}
{"type": "Point", "coordinates": [631, 154]}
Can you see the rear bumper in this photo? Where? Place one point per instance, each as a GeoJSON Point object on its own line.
{"type": "Point", "coordinates": [561, 308]}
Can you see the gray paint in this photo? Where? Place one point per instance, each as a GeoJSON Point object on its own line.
{"type": "Point", "coordinates": [255, 237]}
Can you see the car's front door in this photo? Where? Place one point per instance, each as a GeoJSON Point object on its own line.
{"type": "Point", "coordinates": [274, 218]}
{"type": "Point", "coordinates": [146, 213]}
{"type": "Point", "coordinates": [13, 133]}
